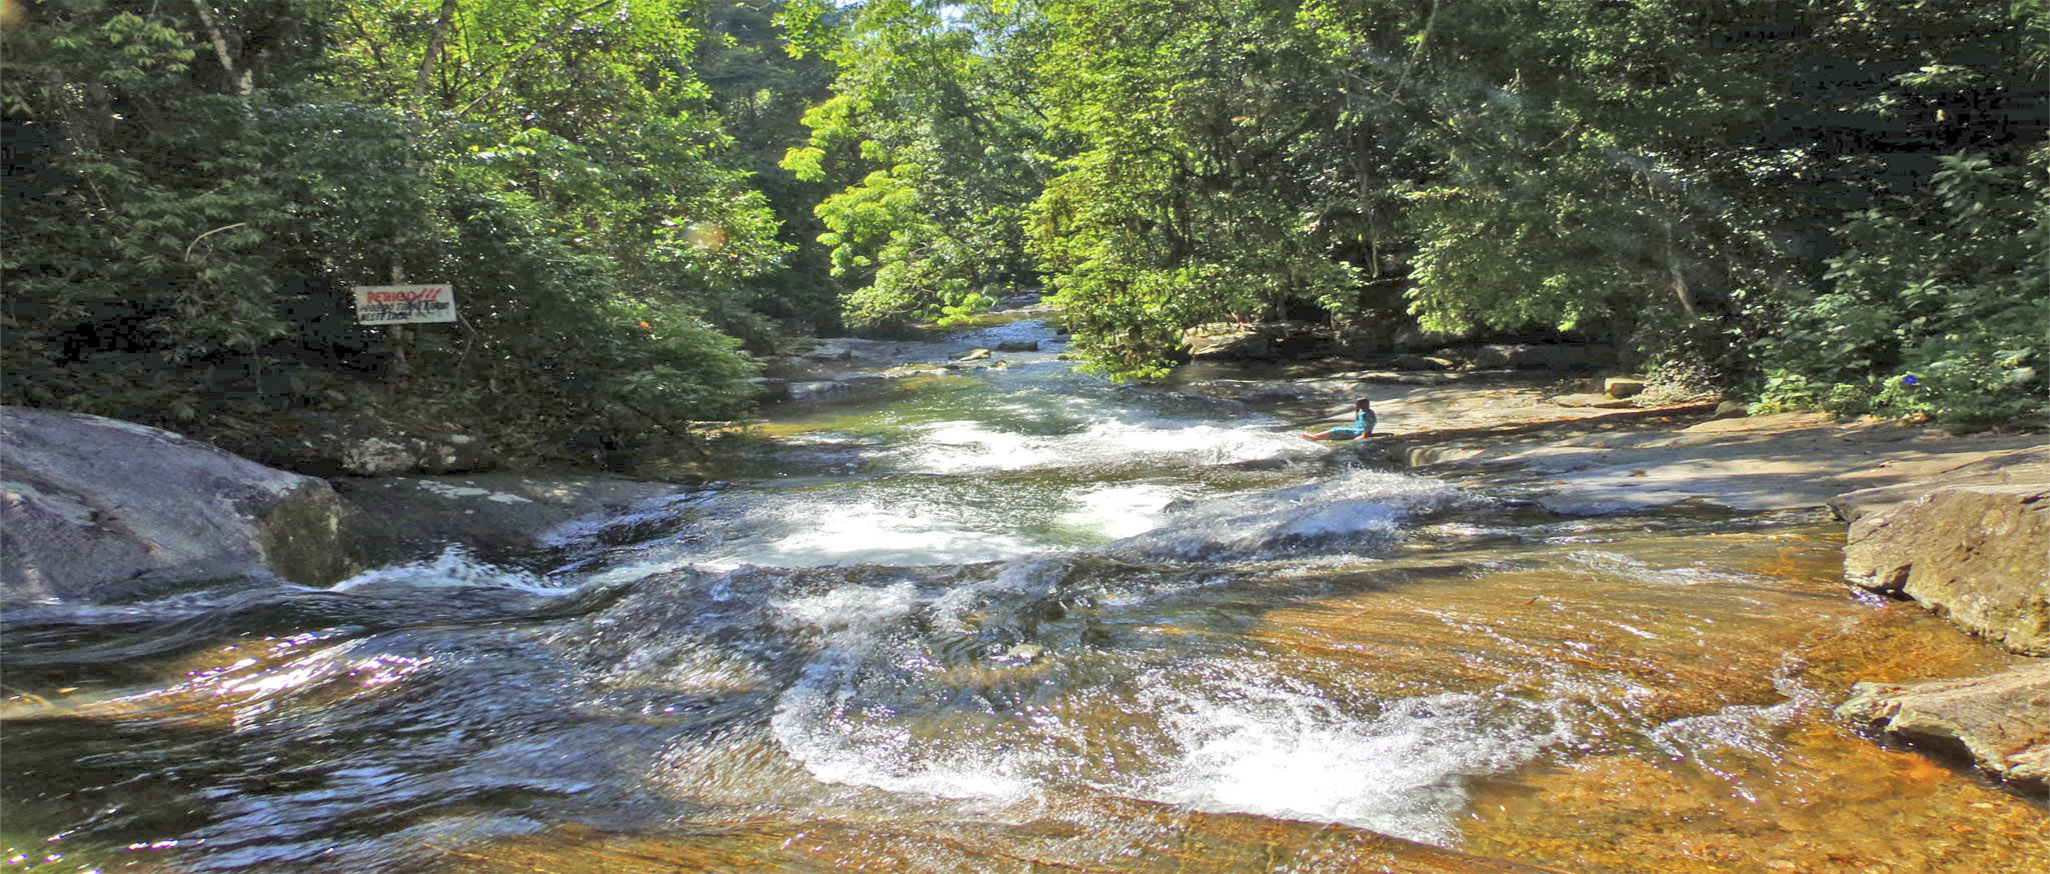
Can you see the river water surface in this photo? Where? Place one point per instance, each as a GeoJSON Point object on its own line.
{"type": "Point", "coordinates": [1016, 619]}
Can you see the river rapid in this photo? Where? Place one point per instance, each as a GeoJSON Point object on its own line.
{"type": "Point", "coordinates": [1016, 619]}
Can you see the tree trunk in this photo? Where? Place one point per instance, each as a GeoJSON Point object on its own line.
{"type": "Point", "coordinates": [243, 77]}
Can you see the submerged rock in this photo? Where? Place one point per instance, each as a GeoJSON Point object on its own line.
{"type": "Point", "coordinates": [95, 509]}
{"type": "Point", "coordinates": [2001, 721]}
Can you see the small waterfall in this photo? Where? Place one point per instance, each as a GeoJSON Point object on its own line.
{"type": "Point", "coordinates": [999, 619]}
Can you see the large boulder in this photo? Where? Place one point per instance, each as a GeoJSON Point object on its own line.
{"type": "Point", "coordinates": [1262, 341]}
{"type": "Point", "coordinates": [505, 518]}
{"type": "Point", "coordinates": [2002, 721]}
{"type": "Point", "coordinates": [94, 509]}
{"type": "Point", "coordinates": [1978, 554]}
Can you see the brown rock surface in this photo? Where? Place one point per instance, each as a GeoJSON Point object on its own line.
{"type": "Point", "coordinates": [2008, 468]}
{"type": "Point", "coordinates": [1622, 387]}
{"type": "Point", "coordinates": [2002, 721]}
{"type": "Point", "coordinates": [1978, 554]}
{"type": "Point", "coordinates": [1777, 462]}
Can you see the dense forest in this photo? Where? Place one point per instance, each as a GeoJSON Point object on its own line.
{"type": "Point", "coordinates": [1833, 204]}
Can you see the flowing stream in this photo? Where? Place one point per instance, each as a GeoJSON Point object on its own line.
{"type": "Point", "coordinates": [1016, 619]}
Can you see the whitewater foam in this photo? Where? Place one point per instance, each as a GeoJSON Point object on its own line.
{"type": "Point", "coordinates": [1122, 440]}
{"type": "Point", "coordinates": [1256, 745]}
{"type": "Point", "coordinates": [1357, 509]}
{"type": "Point", "coordinates": [456, 566]}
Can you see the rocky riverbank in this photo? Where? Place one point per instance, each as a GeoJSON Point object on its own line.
{"type": "Point", "coordinates": [1958, 523]}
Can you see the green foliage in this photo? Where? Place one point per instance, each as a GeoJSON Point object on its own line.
{"type": "Point", "coordinates": [1837, 200]}
{"type": "Point", "coordinates": [559, 166]}
{"type": "Point", "coordinates": [932, 131]}
{"type": "Point", "coordinates": [761, 92]}
{"type": "Point", "coordinates": [1936, 305]}
{"type": "Point", "coordinates": [1189, 202]}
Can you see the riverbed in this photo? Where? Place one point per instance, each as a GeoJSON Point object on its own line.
{"type": "Point", "coordinates": [1003, 616]}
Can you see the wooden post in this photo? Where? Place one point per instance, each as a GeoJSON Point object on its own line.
{"type": "Point", "coordinates": [399, 368]}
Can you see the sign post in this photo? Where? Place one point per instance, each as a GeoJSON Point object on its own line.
{"type": "Point", "coordinates": [404, 304]}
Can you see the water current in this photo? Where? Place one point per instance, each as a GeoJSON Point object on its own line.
{"type": "Point", "coordinates": [1015, 619]}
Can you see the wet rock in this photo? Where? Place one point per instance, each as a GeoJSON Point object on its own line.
{"type": "Point", "coordinates": [95, 509]}
{"type": "Point", "coordinates": [830, 351]}
{"type": "Point", "coordinates": [1018, 346]}
{"type": "Point", "coordinates": [2001, 721]}
{"type": "Point", "coordinates": [909, 370]}
{"type": "Point", "coordinates": [329, 443]}
{"type": "Point", "coordinates": [376, 456]}
{"type": "Point", "coordinates": [496, 517]}
{"type": "Point", "coordinates": [815, 389]}
{"type": "Point", "coordinates": [1977, 554]}
{"type": "Point", "coordinates": [1024, 653]}
{"type": "Point", "coordinates": [769, 388]}
{"type": "Point", "coordinates": [1021, 301]}
{"type": "Point", "coordinates": [975, 355]}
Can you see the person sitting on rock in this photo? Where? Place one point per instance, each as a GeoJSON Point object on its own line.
{"type": "Point", "coordinates": [1361, 428]}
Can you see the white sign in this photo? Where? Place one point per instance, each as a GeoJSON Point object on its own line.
{"type": "Point", "coordinates": [404, 304]}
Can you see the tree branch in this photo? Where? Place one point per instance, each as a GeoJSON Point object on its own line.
{"type": "Point", "coordinates": [195, 240]}
{"type": "Point", "coordinates": [506, 78]}
{"type": "Point", "coordinates": [1416, 56]}
{"type": "Point", "coordinates": [432, 56]}
{"type": "Point", "coordinates": [245, 80]}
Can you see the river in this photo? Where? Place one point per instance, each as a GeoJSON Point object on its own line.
{"type": "Point", "coordinates": [1017, 619]}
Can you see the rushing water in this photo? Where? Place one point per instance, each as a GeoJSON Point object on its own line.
{"type": "Point", "coordinates": [1016, 619]}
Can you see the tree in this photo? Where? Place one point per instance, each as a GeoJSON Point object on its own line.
{"type": "Point", "coordinates": [1193, 199]}
{"type": "Point", "coordinates": [1935, 306]}
{"type": "Point", "coordinates": [199, 171]}
{"type": "Point", "coordinates": [934, 125]}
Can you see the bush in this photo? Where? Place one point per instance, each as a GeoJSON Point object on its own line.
{"type": "Point", "coordinates": [1936, 306]}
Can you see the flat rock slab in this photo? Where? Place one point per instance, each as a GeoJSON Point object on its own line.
{"type": "Point", "coordinates": [2008, 468]}
{"type": "Point", "coordinates": [95, 509]}
{"type": "Point", "coordinates": [496, 517]}
{"type": "Point", "coordinates": [1776, 462]}
{"type": "Point", "coordinates": [2001, 721]}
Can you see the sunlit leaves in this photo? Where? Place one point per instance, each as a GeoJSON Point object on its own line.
{"type": "Point", "coordinates": [934, 133]}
